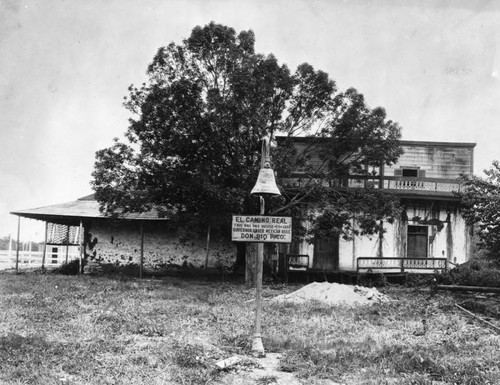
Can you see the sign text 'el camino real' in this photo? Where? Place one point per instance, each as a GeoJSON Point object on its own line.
{"type": "Point", "coordinates": [260, 228]}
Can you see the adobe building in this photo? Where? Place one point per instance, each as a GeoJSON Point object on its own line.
{"type": "Point", "coordinates": [431, 233]}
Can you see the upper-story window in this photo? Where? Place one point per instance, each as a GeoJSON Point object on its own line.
{"type": "Point", "coordinates": [411, 172]}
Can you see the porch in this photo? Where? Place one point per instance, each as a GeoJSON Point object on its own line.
{"type": "Point", "coordinates": [296, 267]}
{"type": "Point", "coordinates": [401, 265]}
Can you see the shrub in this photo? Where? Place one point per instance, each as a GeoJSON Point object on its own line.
{"type": "Point", "coordinates": [418, 280]}
{"type": "Point", "coordinates": [473, 273]}
{"type": "Point", "coordinates": [372, 280]}
{"type": "Point", "coordinates": [68, 268]}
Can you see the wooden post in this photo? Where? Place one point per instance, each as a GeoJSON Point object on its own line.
{"type": "Point", "coordinates": [67, 243]}
{"type": "Point", "coordinates": [10, 246]}
{"type": "Point", "coordinates": [381, 176]}
{"type": "Point", "coordinates": [141, 262]}
{"type": "Point", "coordinates": [45, 245]}
{"type": "Point", "coordinates": [257, 347]}
{"type": "Point", "coordinates": [208, 250]}
{"type": "Point", "coordinates": [17, 246]}
{"type": "Point", "coordinates": [80, 270]}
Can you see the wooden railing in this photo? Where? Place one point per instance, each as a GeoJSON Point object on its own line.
{"type": "Point", "coordinates": [366, 264]}
{"type": "Point", "coordinates": [386, 182]}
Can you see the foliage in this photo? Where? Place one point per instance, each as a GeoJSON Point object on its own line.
{"type": "Point", "coordinates": [365, 208]}
{"type": "Point", "coordinates": [4, 244]}
{"type": "Point", "coordinates": [192, 148]}
{"type": "Point", "coordinates": [481, 201]}
{"type": "Point", "coordinates": [420, 280]}
{"type": "Point", "coordinates": [68, 268]}
{"type": "Point", "coordinates": [372, 280]}
{"type": "Point", "coordinates": [473, 273]}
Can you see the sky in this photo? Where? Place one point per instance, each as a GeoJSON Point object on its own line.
{"type": "Point", "coordinates": [65, 67]}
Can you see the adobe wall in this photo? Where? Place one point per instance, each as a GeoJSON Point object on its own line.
{"type": "Point", "coordinates": [448, 236]}
{"type": "Point", "coordinates": [119, 244]}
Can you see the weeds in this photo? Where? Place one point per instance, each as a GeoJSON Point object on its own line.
{"type": "Point", "coordinates": [68, 268]}
{"type": "Point", "coordinates": [102, 330]}
{"type": "Point", "coordinates": [473, 273]}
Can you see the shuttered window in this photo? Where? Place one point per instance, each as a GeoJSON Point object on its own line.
{"type": "Point", "coordinates": [409, 172]}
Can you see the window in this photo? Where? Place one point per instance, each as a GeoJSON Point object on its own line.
{"type": "Point", "coordinates": [54, 255]}
{"type": "Point", "coordinates": [412, 172]}
{"type": "Point", "coordinates": [409, 172]}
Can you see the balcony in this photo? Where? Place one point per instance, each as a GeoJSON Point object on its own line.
{"type": "Point", "coordinates": [395, 184]}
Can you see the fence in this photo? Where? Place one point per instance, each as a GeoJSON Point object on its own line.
{"type": "Point", "coordinates": [33, 259]}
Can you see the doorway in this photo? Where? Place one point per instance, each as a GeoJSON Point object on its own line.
{"type": "Point", "coordinates": [326, 253]}
{"type": "Point", "coordinates": [417, 245]}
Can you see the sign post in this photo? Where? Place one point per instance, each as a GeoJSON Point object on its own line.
{"type": "Point", "coordinates": [245, 231]}
{"type": "Point", "coordinates": [260, 229]}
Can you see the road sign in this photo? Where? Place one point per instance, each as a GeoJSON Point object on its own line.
{"type": "Point", "coordinates": [261, 228]}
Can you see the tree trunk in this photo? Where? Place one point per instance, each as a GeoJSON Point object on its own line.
{"type": "Point", "coordinates": [251, 258]}
{"type": "Point", "coordinates": [239, 264]}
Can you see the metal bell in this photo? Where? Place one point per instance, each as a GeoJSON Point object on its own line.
{"type": "Point", "coordinates": [266, 184]}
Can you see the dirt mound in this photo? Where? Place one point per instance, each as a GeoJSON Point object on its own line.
{"type": "Point", "coordinates": [334, 294]}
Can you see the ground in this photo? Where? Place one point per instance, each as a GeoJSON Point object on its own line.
{"type": "Point", "coordinates": [119, 330]}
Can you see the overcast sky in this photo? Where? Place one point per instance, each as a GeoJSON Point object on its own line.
{"type": "Point", "coordinates": [65, 67]}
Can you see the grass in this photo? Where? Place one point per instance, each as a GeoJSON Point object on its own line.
{"type": "Point", "coordinates": [58, 329]}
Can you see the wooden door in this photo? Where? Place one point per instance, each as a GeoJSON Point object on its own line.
{"type": "Point", "coordinates": [326, 253]}
{"type": "Point", "coordinates": [417, 243]}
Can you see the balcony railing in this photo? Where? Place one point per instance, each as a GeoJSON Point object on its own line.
{"type": "Point", "coordinates": [373, 264]}
{"type": "Point", "coordinates": [387, 182]}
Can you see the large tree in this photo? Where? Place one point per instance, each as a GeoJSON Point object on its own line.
{"type": "Point", "coordinates": [192, 148]}
{"type": "Point", "coordinates": [481, 207]}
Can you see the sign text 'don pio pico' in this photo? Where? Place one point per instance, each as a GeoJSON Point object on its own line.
{"type": "Point", "coordinates": [260, 228]}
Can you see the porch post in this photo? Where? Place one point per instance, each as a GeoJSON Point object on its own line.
{"type": "Point", "coordinates": [45, 245]}
{"type": "Point", "coordinates": [17, 246]}
{"type": "Point", "coordinates": [67, 243]}
{"type": "Point", "coordinates": [80, 235]}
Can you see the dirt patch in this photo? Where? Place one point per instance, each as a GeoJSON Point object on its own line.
{"type": "Point", "coordinates": [334, 294]}
{"type": "Point", "coordinates": [264, 371]}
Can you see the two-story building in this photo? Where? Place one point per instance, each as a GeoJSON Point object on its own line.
{"type": "Point", "coordinates": [430, 234]}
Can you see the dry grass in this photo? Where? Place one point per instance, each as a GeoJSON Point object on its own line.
{"type": "Point", "coordinates": [100, 330]}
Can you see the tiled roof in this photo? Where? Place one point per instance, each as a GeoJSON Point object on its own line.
{"type": "Point", "coordinates": [72, 212]}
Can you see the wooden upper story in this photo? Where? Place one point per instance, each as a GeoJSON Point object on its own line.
{"type": "Point", "coordinates": [443, 160]}
{"type": "Point", "coordinates": [425, 170]}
